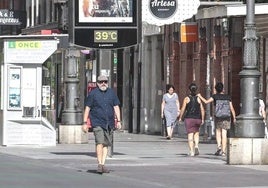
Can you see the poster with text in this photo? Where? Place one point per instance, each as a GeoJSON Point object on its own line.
{"type": "Point", "coordinates": [105, 11]}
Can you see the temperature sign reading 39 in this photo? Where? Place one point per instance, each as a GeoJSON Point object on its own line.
{"type": "Point", "coordinates": [105, 36]}
{"type": "Point", "coordinates": [107, 24]}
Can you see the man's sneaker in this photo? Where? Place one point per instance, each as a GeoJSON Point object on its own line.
{"type": "Point", "coordinates": [196, 151]}
{"type": "Point", "coordinates": [223, 154]}
{"type": "Point", "coordinates": [218, 152]}
{"type": "Point", "coordinates": [100, 169]}
{"type": "Point", "coordinates": [105, 170]}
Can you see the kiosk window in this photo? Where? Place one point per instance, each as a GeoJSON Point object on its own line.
{"type": "Point", "coordinates": [14, 88]}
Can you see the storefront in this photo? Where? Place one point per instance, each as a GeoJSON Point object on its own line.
{"type": "Point", "coordinates": [23, 95]}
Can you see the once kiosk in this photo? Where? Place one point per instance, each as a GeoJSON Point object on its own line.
{"type": "Point", "coordinates": [21, 121]}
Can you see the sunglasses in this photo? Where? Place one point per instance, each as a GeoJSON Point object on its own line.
{"type": "Point", "coordinates": [102, 81]}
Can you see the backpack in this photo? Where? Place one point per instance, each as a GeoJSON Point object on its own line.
{"type": "Point", "coordinates": [222, 109]}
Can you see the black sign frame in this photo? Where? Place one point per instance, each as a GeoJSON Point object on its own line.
{"type": "Point", "coordinates": [126, 37]}
{"type": "Point", "coordinates": [112, 23]}
{"type": "Point", "coordinates": [127, 32]}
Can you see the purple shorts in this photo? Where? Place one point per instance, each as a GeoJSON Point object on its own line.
{"type": "Point", "coordinates": [192, 125]}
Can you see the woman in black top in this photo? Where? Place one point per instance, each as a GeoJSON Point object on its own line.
{"type": "Point", "coordinates": [222, 124]}
{"type": "Point", "coordinates": [193, 112]}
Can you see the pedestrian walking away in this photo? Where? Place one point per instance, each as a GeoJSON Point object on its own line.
{"type": "Point", "coordinates": [222, 116]}
{"type": "Point", "coordinates": [170, 109]}
{"type": "Point", "coordinates": [193, 112]}
{"type": "Point", "coordinates": [101, 107]}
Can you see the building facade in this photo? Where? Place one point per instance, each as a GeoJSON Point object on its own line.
{"type": "Point", "coordinates": [141, 72]}
{"type": "Point", "coordinates": [216, 56]}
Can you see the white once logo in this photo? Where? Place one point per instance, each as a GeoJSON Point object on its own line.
{"type": "Point", "coordinates": [163, 8]}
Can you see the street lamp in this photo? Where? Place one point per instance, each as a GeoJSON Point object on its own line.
{"type": "Point", "coordinates": [249, 123]}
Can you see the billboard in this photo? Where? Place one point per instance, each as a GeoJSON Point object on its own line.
{"type": "Point", "coordinates": [106, 24]}
{"type": "Point", "coordinates": [108, 12]}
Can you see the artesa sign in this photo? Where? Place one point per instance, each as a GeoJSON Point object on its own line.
{"type": "Point", "coordinates": [161, 12]}
{"type": "Point", "coordinates": [163, 9]}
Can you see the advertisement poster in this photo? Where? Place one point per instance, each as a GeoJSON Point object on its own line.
{"type": "Point", "coordinates": [14, 94]}
{"type": "Point", "coordinates": [45, 97]}
{"type": "Point", "coordinates": [105, 11]}
{"type": "Point", "coordinates": [91, 86]}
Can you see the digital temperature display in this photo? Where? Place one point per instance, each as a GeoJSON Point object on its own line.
{"type": "Point", "coordinates": [105, 36]}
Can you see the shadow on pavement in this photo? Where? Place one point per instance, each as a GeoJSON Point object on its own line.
{"type": "Point", "coordinates": [92, 154]}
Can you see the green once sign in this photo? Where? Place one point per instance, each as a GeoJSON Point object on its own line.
{"type": "Point", "coordinates": [28, 51]}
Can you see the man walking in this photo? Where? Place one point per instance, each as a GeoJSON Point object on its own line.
{"type": "Point", "coordinates": [102, 107]}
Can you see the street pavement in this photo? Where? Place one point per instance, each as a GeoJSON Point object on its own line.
{"type": "Point", "coordinates": [138, 161]}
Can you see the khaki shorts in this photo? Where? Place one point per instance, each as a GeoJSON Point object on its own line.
{"type": "Point", "coordinates": [103, 136]}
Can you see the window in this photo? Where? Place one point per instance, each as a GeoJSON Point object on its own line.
{"type": "Point", "coordinates": [4, 4]}
{"type": "Point", "coordinates": [18, 4]}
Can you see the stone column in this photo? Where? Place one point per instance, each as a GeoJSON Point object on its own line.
{"type": "Point", "coordinates": [70, 130]}
{"type": "Point", "coordinates": [249, 122]}
{"type": "Point", "coordinates": [249, 146]}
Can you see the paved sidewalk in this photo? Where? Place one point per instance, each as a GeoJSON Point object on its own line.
{"type": "Point", "coordinates": [139, 161]}
{"type": "Point", "coordinates": [129, 149]}
{"type": "Point", "coordinates": [126, 146]}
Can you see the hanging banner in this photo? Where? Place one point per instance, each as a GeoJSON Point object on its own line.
{"type": "Point", "coordinates": [189, 32]}
{"type": "Point", "coordinates": [161, 12]}
{"type": "Point", "coordinates": [106, 24]}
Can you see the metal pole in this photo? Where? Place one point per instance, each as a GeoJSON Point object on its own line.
{"type": "Point", "coordinates": [249, 122]}
{"type": "Point", "coordinates": [139, 89]}
{"type": "Point", "coordinates": [72, 113]}
{"type": "Point", "coordinates": [207, 127]}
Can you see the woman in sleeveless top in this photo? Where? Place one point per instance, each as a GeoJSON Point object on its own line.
{"type": "Point", "coordinates": [194, 114]}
